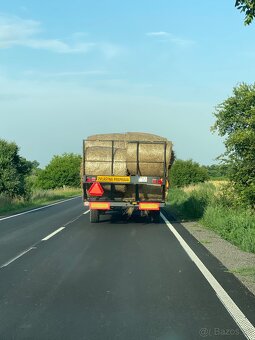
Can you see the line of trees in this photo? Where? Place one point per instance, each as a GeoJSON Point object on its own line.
{"type": "Point", "coordinates": [20, 177]}
{"type": "Point", "coordinates": [235, 121]}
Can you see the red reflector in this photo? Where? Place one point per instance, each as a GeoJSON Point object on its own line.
{"type": "Point", "coordinates": [157, 181]}
{"type": "Point", "coordinates": [96, 189]}
{"type": "Point", "coordinates": [90, 179]}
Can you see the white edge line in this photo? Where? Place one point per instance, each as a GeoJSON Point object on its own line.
{"type": "Point", "coordinates": [244, 324]}
{"type": "Point", "coordinates": [17, 257]}
{"type": "Point", "coordinates": [86, 212]}
{"type": "Point", "coordinates": [52, 234]}
{"type": "Point", "coordinates": [36, 209]}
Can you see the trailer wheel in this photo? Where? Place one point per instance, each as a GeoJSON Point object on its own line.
{"type": "Point", "coordinates": [94, 216]}
{"type": "Point", "coordinates": [156, 216]}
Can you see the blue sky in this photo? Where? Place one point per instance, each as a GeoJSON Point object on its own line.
{"type": "Point", "coordinates": [69, 69]}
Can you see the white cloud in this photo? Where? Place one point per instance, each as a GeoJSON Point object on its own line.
{"type": "Point", "coordinates": [169, 37]}
{"type": "Point", "coordinates": [15, 31]}
{"type": "Point", "coordinates": [157, 34]}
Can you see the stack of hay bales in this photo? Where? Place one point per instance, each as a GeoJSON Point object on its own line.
{"type": "Point", "coordinates": [98, 160]}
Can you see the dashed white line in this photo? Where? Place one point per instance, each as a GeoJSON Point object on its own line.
{"type": "Point", "coordinates": [44, 239]}
{"type": "Point", "coordinates": [52, 234]}
{"type": "Point", "coordinates": [36, 209]}
{"type": "Point", "coordinates": [244, 324]}
{"type": "Point", "coordinates": [17, 257]}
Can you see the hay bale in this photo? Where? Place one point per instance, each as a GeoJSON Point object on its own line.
{"type": "Point", "coordinates": [151, 158]}
{"type": "Point", "coordinates": [105, 140]}
{"type": "Point", "coordinates": [98, 161]}
{"type": "Point", "coordinates": [142, 136]}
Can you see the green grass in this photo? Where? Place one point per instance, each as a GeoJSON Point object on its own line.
{"type": "Point", "coordinates": [39, 198]}
{"type": "Point", "coordinates": [204, 204]}
{"type": "Point", "coordinates": [234, 225]}
{"type": "Point", "coordinates": [190, 203]}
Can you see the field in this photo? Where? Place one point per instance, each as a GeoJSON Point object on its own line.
{"type": "Point", "coordinates": [206, 204]}
{"type": "Point", "coordinates": [38, 198]}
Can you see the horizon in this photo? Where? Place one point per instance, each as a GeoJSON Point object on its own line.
{"type": "Point", "coordinates": [109, 68]}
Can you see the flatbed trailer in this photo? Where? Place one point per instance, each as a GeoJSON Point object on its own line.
{"type": "Point", "coordinates": [101, 201]}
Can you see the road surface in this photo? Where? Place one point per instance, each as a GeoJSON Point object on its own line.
{"type": "Point", "coordinates": [64, 278]}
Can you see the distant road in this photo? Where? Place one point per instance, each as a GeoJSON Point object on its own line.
{"type": "Point", "coordinates": [64, 278]}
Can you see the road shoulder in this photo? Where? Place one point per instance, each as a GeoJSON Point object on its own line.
{"type": "Point", "coordinates": [238, 262]}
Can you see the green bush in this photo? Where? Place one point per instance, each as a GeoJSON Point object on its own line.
{"type": "Point", "coordinates": [187, 172]}
{"type": "Point", "coordinates": [217, 171]}
{"type": "Point", "coordinates": [62, 171]}
{"type": "Point", "coordinates": [14, 170]}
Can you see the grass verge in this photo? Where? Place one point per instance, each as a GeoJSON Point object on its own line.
{"type": "Point", "coordinates": [204, 204]}
{"type": "Point", "coordinates": [39, 198]}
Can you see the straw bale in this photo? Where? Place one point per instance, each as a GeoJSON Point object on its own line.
{"type": "Point", "coordinates": [105, 140]}
{"type": "Point", "coordinates": [98, 161]}
{"type": "Point", "coordinates": [142, 136]}
{"type": "Point", "coordinates": [98, 156]}
{"type": "Point", "coordinates": [151, 158]}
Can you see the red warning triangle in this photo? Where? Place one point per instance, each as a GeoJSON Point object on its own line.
{"type": "Point", "coordinates": [96, 189]}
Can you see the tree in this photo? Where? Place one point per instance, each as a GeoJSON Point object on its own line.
{"type": "Point", "coordinates": [217, 170]}
{"type": "Point", "coordinates": [235, 120]}
{"type": "Point", "coordinates": [248, 7]}
{"type": "Point", "coordinates": [62, 171]}
{"type": "Point", "coordinates": [14, 170]}
{"type": "Point", "coordinates": [187, 172]}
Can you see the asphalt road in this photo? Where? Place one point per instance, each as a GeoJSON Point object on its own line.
{"type": "Point", "coordinates": [114, 280]}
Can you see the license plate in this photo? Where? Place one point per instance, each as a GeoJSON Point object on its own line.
{"type": "Point", "coordinates": [113, 179]}
{"type": "Point", "coordinates": [143, 180]}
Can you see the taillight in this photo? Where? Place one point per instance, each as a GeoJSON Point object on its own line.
{"type": "Point", "coordinates": [90, 179]}
{"type": "Point", "coordinates": [157, 181]}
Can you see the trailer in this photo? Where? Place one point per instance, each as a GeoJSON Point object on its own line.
{"type": "Point", "coordinates": [128, 194]}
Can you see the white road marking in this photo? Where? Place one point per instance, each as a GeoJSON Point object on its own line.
{"type": "Point", "coordinates": [52, 234]}
{"type": "Point", "coordinates": [44, 239]}
{"type": "Point", "coordinates": [244, 324]}
{"type": "Point", "coordinates": [36, 209]}
{"type": "Point", "coordinates": [86, 212]}
{"type": "Point", "coordinates": [17, 257]}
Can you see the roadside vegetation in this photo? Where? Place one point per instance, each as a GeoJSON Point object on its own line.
{"type": "Point", "coordinates": [23, 185]}
{"type": "Point", "coordinates": [226, 206]}
{"type": "Point", "coordinates": [213, 206]}
{"type": "Point", "coordinates": [38, 198]}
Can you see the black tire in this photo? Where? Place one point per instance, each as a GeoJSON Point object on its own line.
{"type": "Point", "coordinates": [94, 216]}
{"type": "Point", "coordinates": [156, 216]}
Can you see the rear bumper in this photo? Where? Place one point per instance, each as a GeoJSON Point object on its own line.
{"type": "Point", "coordinates": [110, 205]}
